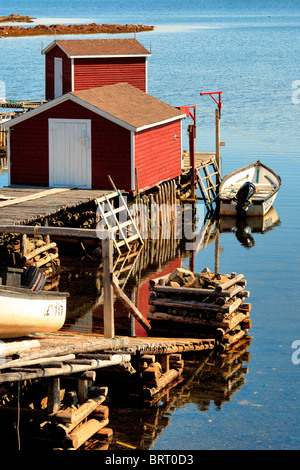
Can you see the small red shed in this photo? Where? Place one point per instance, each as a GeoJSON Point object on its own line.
{"type": "Point", "coordinates": [80, 138]}
{"type": "Point", "coordinates": [78, 64]}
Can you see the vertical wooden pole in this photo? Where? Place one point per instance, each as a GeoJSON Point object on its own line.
{"type": "Point", "coordinates": [165, 362]}
{"type": "Point", "coordinates": [108, 310]}
{"type": "Point", "coordinates": [53, 404]}
{"type": "Point", "coordinates": [132, 319]}
{"type": "Point", "coordinates": [84, 384]}
{"type": "Point", "coordinates": [46, 237]}
{"type": "Point", "coordinates": [192, 135]}
{"type": "Point", "coordinates": [24, 245]}
{"type": "Point", "coordinates": [83, 389]}
{"type": "Point", "coordinates": [217, 251]}
{"type": "Point", "coordinates": [218, 156]}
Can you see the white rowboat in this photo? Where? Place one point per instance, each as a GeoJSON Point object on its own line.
{"type": "Point", "coordinates": [24, 312]}
{"type": "Point", "coordinates": [263, 184]}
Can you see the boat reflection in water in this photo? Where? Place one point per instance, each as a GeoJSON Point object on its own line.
{"type": "Point", "coordinates": [244, 227]}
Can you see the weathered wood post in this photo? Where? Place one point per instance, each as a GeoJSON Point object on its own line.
{"type": "Point", "coordinates": [217, 119]}
{"type": "Point", "coordinates": [53, 404]}
{"type": "Point", "coordinates": [108, 310]}
{"type": "Point", "coordinates": [23, 245]}
{"type": "Point", "coordinates": [217, 251]}
{"type": "Point", "coordinates": [218, 155]}
{"type": "Point", "coordinates": [192, 136]}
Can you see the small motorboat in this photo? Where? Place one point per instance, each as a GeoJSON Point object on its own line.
{"type": "Point", "coordinates": [27, 309]}
{"type": "Point", "coordinates": [251, 190]}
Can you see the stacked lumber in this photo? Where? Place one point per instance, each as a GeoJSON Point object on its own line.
{"type": "Point", "coordinates": [156, 376]}
{"type": "Point", "coordinates": [72, 427]}
{"type": "Point", "coordinates": [67, 421]}
{"type": "Point", "coordinates": [214, 304]}
{"type": "Point", "coordinates": [29, 252]}
{"type": "Point", "coordinates": [40, 254]}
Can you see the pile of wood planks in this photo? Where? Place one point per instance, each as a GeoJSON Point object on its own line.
{"type": "Point", "coordinates": [156, 376]}
{"type": "Point", "coordinates": [74, 426]}
{"type": "Point", "coordinates": [40, 254]}
{"type": "Point", "coordinates": [64, 423]}
{"type": "Point", "coordinates": [212, 304]}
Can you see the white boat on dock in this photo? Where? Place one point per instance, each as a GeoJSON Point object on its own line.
{"type": "Point", "coordinates": [23, 311]}
{"type": "Point", "coordinates": [250, 190]}
{"type": "Point", "coordinates": [25, 307]}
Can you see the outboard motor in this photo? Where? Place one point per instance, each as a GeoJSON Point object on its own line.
{"type": "Point", "coordinates": [243, 196]}
{"type": "Point", "coordinates": [33, 278]}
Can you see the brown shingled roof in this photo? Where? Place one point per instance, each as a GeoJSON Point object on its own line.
{"type": "Point", "coordinates": [129, 106]}
{"type": "Point", "coordinates": [100, 47]}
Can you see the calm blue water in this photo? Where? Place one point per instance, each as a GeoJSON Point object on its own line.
{"type": "Point", "coordinates": [251, 52]}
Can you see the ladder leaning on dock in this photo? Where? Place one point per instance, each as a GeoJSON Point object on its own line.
{"type": "Point", "coordinates": [206, 182]}
{"type": "Point", "coordinates": [108, 214]}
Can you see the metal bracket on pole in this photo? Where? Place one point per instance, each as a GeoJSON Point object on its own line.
{"type": "Point", "coordinates": [188, 111]}
{"type": "Point", "coordinates": [219, 102]}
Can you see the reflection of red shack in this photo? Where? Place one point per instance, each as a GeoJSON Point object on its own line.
{"type": "Point", "coordinates": [143, 292]}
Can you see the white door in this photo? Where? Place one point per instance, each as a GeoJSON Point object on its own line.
{"type": "Point", "coordinates": [58, 76]}
{"type": "Point", "coordinates": [70, 159]}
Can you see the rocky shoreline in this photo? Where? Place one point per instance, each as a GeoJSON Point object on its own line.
{"type": "Point", "coordinates": [13, 18]}
{"type": "Point", "coordinates": [8, 31]}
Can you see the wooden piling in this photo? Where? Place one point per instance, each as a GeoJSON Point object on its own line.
{"type": "Point", "coordinates": [108, 308]}
{"type": "Point", "coordinates": [53, 394]}
{"type": "Point", "coordinates": [218, 156]}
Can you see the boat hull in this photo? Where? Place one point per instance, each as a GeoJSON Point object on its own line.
{"type": "Point", "coordinates": [23, 312]}
{"type": "Point", "coordinates": [257, 208]}
{"type": "Point", "coordinates": [266, 182]}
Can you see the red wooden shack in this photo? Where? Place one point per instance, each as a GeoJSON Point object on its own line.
{"type": "Point", "coordinates": [78, 64]}
{"type": "Point", "coordinates": [81, 137]}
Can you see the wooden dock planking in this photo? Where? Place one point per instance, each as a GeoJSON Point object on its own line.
{"type": "Point", "coordinates": [200, 159]}
{"type": "Point", "coordinates": [38, 203]}
{"type": "Point", "coordinates": [207, 176]}
{"type": "Point", "coordinates": [33, 363]}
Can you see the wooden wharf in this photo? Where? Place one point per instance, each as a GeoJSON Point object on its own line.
{"type": "Point", "coordinates": [26, 205]}
{"type": "Point", "coordinates": [60, 360]}
{"type": "Point", "coordinates": [200, 159]}
{"type": "Point", "coordinates": [25, 105]}
{"type": "Point", "coordinates": [30, 213]}
{"type": "Point", "coordinates": [147, 365]}
{"type": "Point", "coordinates": [63, 354]}
{"type": "Point", "coordinates": [207, 176]}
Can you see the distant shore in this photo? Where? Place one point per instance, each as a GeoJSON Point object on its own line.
{"type": "Point", "coordinates": [13, 18]}
{"type": "Point", "coordinates": [40, 29]}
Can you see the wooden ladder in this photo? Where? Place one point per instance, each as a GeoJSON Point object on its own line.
{"type": "Point", "coordinates": [112, 223]}
{"type": "Point", "coordinates": [125, 265]}
{"type": "Point", "coordinates": [205, 181]}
